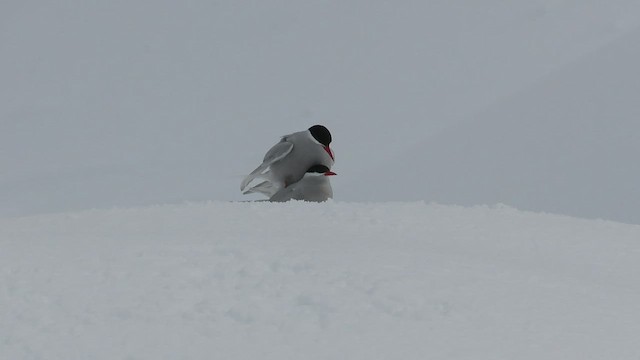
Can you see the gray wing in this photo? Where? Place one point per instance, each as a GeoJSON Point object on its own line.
{"type": "Point", "coordinates": [276, 153]}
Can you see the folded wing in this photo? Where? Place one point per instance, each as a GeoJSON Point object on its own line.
{"type": "Point", "coordinates": [275, 154]}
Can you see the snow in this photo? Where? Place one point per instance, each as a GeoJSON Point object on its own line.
{"type": "Point", "coordinates": [317, 281]}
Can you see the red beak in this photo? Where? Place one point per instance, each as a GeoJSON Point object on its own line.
{"type": "Point", "coordinates": [328, 150]}
{"type": "Point", "coordinates": [330, 173]}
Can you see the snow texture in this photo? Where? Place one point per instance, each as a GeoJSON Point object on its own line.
{"type": "Point", "coordinates": [318, 281]}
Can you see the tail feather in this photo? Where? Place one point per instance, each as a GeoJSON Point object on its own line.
{"type": "Point", "coordinates": [254, 174]}
{"type": "Point", "coordinates": [266, 187]}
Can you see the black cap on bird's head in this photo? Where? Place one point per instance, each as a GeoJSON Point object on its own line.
{"type": "Point", "coordinates": [322, 135]}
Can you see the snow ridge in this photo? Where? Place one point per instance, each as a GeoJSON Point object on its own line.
{"type": "Point", "coordinates": [317, 281]}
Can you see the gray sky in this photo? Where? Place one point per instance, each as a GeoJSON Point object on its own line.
{"type": "Point", "coordinates": [145, 102]}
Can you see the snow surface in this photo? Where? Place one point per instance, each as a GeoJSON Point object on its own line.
{"type": "Point", "coordinates": [318, 281]}
{"type": "Point", "coordinates": [121, 103]}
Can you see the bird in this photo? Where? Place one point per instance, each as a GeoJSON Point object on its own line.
{"type": "Point", "coordinates": [314, 186]}
{"type": "Point", "coordinates": [288, 160]}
